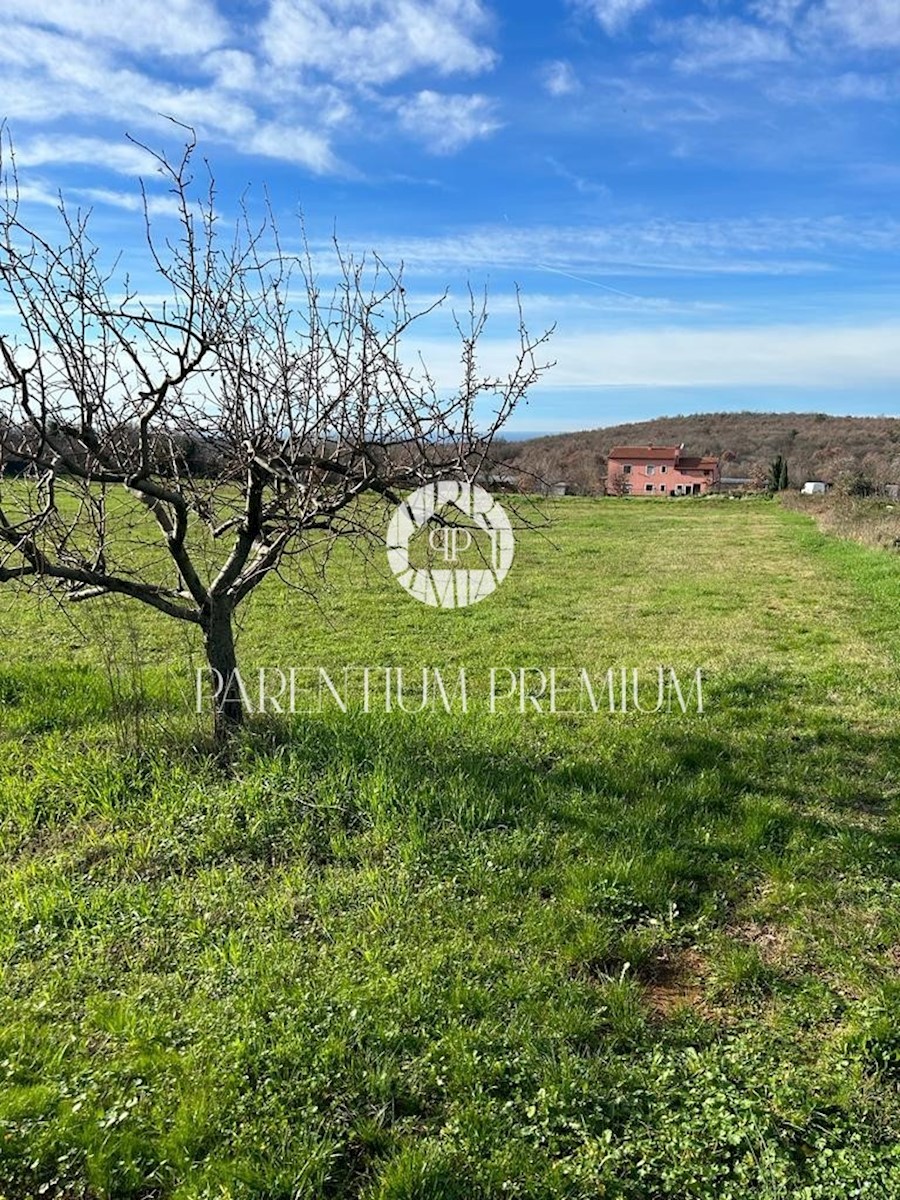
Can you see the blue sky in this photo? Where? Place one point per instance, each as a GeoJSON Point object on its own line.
{"type": "Point", "coordinates": [705, 197]}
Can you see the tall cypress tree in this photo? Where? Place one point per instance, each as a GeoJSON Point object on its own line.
{"type": "Point", "coordinates": [778, 474]}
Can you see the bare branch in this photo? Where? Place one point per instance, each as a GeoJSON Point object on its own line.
{"type": "Point", "coordinates": [178, 451]}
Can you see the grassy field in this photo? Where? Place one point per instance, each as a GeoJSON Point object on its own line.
{"type": "Point", "coordinates": [466, 956]}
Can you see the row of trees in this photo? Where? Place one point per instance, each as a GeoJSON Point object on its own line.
{"type": "Point", "coordinates": [848, 480]}
{"type": "Point", "coordinates": [816, 446]}
{"type": "Point", "coordinates": [247, 417]}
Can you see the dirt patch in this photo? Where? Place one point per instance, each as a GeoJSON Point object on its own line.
{"type": "Point", "coordinates": [772, 943]}
{"type": "Point", "coordinates": [673, 979]}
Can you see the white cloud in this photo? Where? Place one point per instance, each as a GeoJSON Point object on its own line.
{"type": "Point", "coordinates": [824, 356]}
{"type": "Point", "coordinates": [818, 28]}
{"type": "Point", "coordinates": [778, 355]}
{"type": "Point", "coordinates": [581, 183]}
{"type": "Point", "coordinates": [378, 41]}
{"type": "Point", "coordinates": [80, 80]}
{"type": "Point", "coordinates": [778, 12]}
{"type": "Point", "coordinates": [123, 157]}
{"type": "Point", "coordinates": [709, 44]}
{"type": "Point", "coordinates": [614, 15]}
{"type": "Point", "coordinates": [157, 206]}
{"type": "Point", "coordinates": [579, 306]}
{"type": "Point", "coordinates": [233, 70]}
{"type": "Point", "coordinates": [617, 100]}
{"type": "Point", "coordinates": [37, 193]}
{"type": "Point", "coordinates": [867, 24]}
{"type": "Point", "coordinates": [446, 123]}
{"type": "Point", "coordinates": [40, 193]}
{"type": "Point", "coordinates": [292, 145]}
{"type": "Point", "coordinates": [853, 86]}
{"type": "Point", "coordinates": [176, 27]}
{"type": "Point", "coordinates": [299, 78]}
{"type": "Point", "coordinates": [829, 26]}
{"type": "Point", "coordinates": [559, 79]}
{"type": "Point", "coordinates": [764, 246]}
{"type": "Point", "coordinates": [49, 76]}
{"type": "Point", "coordinates": [850, 85]}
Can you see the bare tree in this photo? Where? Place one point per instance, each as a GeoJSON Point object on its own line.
{"type": "Point", "coordinates": [759, 476]}
{"type": "Point", "coordinates": [617, 485]}
{"type": "Point", "coordinates": [244, 416]}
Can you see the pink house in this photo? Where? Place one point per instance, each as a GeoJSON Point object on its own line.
{"type": "Point", "coordinates": [658, 471]}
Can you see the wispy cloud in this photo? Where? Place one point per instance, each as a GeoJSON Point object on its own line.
{"type": "Point", "coordinates": [176, 28]}
{"type": "Point", "coordinates": [378, 41]}
{"type": "Point", "coordinates": [867, 24]}
{"type": "Point", "coordinates": [287, 87]}
{"type": "Point", "coordinates": [559, 79]}
{"type": "Point", "coordinates": [826, 356]}
{"type": "Point", "coordinates": [823, 356]}
{"type": "Point", "coordinates": [710, 44]}
{"type": "Point", "coordinates": [614, 15]}
{"type": "Point", "coordinates": [762, 246]}
{"type": "Point", "coordinates": [777, 12]}
{"type": "Point", "coordinates": [581, 184]}
{"type": "Point", "coordinates": [576, 308]}
{"type": "Point", "coordinates": [42, 194]}
{"type": "Point", "coordinates": [814, 35]}
{"type": "Point", "coordinates": [122, 157]}
{"type": "Point", "coordinates": [838, 52]}
{"type": "Point", "coordinates": [157, 206]}
{"type": "Point", "coordinates": [273, 139]}
{"type": "Point", "coordinates": [847, 85]}
{"type": "Point", "coordinates": [444, 123]}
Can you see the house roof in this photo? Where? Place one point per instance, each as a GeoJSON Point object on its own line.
{"type": "Point", "coordinates": [706, 463]}
{"type": "Point", "coordinates": [657, 453]}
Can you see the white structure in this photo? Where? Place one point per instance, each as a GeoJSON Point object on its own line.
{"type": "Point", "coordinates": [814, 488]}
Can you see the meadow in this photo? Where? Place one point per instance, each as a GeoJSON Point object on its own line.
{"type": "Point", "coordinates": [426, 957]}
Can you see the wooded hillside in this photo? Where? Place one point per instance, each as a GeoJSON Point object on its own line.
{"type": "Point", "coordinates": [816, 446]}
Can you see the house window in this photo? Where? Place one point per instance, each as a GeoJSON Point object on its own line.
{"type": "Point", "coordinates": [627, 469]}
{"type": "Point", "coordinates": [650, 470]}
{"type": "Point", "coordinates": [663, 471]}
{"type": "Point", "coordinates": [662, 487]}
{"type": "Point", "coordinates": [648, 487]}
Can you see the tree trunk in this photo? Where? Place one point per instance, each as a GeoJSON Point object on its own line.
{"type": "Point", "coordinates": [228, 709]}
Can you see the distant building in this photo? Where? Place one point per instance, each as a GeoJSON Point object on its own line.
{"type": "Point", "coordinates": [814, 487]}
{"type": "Point", "coordinates": [498, 481]}
{"type": "Point", "coordinates": [659, 471]}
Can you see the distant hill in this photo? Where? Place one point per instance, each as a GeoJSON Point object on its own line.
{"type": "Point", "coordinates": [816, 446]}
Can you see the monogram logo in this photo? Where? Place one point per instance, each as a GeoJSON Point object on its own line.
{"type": "Point", "coordinates": [451, 586]}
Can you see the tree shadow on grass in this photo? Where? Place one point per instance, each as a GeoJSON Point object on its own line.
{"type": "Point", "coordinates": [705, 808]}
{"type": "Point", "coordinates": [681, 810]}
{"type": "Point", "coordinates": [659, 813]}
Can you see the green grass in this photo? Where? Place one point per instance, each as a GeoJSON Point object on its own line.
{"type": "Point", "coordinates": [385, 956]}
